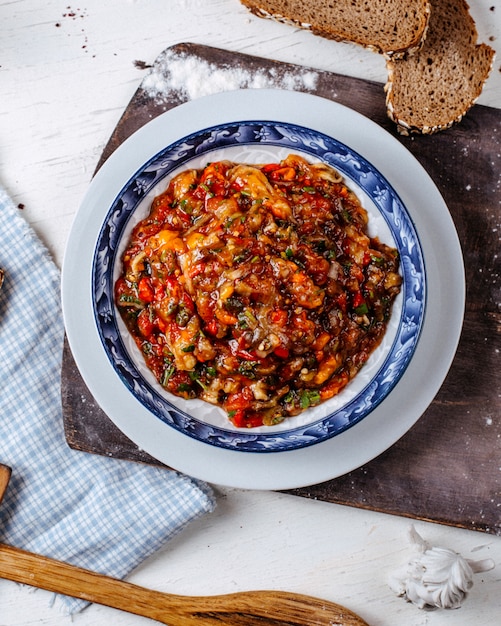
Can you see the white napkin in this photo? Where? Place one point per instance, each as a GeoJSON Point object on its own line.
{"type": "Point", "coordinates": [99, 513]}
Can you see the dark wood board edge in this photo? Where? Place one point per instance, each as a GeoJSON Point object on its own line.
{"type": "Point", "coordinates": [365, 487]}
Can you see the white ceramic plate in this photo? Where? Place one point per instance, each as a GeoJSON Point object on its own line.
{"type": "Point", "coordinates": [396, 410]}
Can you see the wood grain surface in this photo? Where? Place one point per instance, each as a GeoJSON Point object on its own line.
{"type": "Point", "coordinates": [446, 468]}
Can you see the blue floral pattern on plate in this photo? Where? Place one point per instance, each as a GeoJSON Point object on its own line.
{"type": "Point", "coordinates": [293, 138]}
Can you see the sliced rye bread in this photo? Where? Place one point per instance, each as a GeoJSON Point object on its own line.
{"type": "Point", "coordinates": [391, 27]}
{"type": "Point", "coordinates": [433, 88]}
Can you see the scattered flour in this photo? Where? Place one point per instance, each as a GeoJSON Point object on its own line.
{"type": "Point", "coordinates": [192, 78]}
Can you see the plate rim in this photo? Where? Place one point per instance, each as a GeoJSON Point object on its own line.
{"type": "Point", "coordinates": [279, 471]}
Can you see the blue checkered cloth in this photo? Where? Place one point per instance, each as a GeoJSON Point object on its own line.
{"type": "Point", "coordinates": [99, 513]}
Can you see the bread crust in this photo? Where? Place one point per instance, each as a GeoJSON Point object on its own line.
{"type": "Point", "coordinates": [434, 88]}
{"type": "Point", "coordinates": [400, 30]}
{"type": "Point", "coordinates": [436, 69]}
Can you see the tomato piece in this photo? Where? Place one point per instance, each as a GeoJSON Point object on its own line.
{"type": "Point", "coordinates": [253, 420]}
{"type": "Point", "coordinates": [283, 173]}
{"type": "Point", "coordinates": [270, 167]}
{"type": "Point", "coordinates": [281, 351]}
{"type": "Point", "coordinates": [239, 400]}
{"type": "Point", "coordinates": [242, 420]}
{"type": "Point", "coordinates": [162, 326]}
{"type": "Point", "coordinates": [195, 270]}
{"type": "Point", "coordinates": [212, 182]}
{"type": "Point", "coordinates": [342, 301]}
{"type": "Point", "coordinates": [212, 327]}
{"type": "Point", "coordinates": [358, 301]}
{"type": "Point", "coordinates": [147, 230]}
{"type": "Point", "coordinates": [144, 323]}
{"type": "Point", "coordinates": [123, 293]}
{"type": "Point", "coordinates": [159, 292]}
{"type": "Point", "coordinates": [145, 290]}
{"type": "Point", "coordinates": [171, 285]}
{"type": "Point", "coordinates": [279, 317]}
{"type": "Point", "coordinates": [238, 418]}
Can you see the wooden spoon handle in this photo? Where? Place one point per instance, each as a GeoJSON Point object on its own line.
{"type": "Point", "coordinates": [259, 608]}
{"type": "Point", "coordinates": [5, 473]}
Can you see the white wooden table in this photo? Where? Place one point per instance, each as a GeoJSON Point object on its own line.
{"type": "Point", "coordinates": [67, 71]}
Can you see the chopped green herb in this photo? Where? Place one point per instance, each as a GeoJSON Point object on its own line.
{"type": "Point", "coordinates": [129, 299]}
{"type": "Point", "coordinates": [183, 316]}
{"type": "Point", "coordinates": [195, 377]}
{"type": "Point", "coordinates": [247, 368]}
{"type": "Point", "coordinates": [246, 319]}
{"type": "Point", "coordinates": [206, 189]}
{"type": "Point", "coordinates": [362, 309]}
{"type": "Point", "coordinates": [169, 371]}
{"type": "Point", "coordinates": [377, 260]}
{"type": "Point", "coordinates": [309, 398]}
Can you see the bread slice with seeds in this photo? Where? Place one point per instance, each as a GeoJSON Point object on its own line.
{"type": "Point", "coordinates": [391, 27]}
{"type": "Point", "coordinates": [433, 88]}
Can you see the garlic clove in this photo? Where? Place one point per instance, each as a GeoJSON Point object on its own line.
{"type": "Point", "coordinates": [436, 578]}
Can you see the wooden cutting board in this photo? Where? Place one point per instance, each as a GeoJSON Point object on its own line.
{"type": "Point", "coordinates": [447, 467]}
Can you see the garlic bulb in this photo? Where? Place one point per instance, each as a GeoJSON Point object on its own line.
{"type": "Point", "coordinates": [436, 577]}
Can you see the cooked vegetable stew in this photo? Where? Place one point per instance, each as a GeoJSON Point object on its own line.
{"type": "Point", "coordinates": [257, 287]}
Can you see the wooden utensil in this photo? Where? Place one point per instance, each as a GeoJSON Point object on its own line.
{"type": "Point", "coordinates": [261, 608]}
